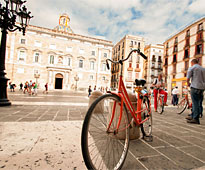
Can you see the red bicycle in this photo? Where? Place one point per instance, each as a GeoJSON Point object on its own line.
{"type": "Point", "coordinates": [105, 131]}
{"type": "Point", "coordinates": [183, 104]}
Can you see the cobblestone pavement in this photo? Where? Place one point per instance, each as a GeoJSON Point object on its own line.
{"type": "Point", "coordinates": [43, 132]}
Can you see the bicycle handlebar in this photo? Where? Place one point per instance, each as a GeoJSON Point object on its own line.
{"type": "Point", "coordinates": [121, 61]}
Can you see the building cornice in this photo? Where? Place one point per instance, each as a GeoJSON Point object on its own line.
{"type": "Point", "coordinates": [54, 32]}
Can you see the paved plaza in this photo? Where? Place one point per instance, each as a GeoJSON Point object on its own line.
{"type": "Point", "coordinates": [43, 132]}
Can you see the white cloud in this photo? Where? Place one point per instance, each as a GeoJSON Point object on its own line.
{"type": "Point", "coordinates": [198, 7]}
{"type": "Point", "coordinates": [112, 19]}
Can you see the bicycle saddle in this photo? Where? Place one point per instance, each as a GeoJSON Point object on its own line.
{"type": "Point", "coordinates": [140, 82]}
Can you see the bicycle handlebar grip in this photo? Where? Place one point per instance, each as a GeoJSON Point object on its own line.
{"type": "Point", "coordinates": [144, 56]}
{"type": "Point", "coordinates": [108, 67]}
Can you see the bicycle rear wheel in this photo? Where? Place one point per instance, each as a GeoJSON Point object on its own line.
{"type": "Point", "coordinates": [160, 105]}
{"type": "Point", "coordinates": [146, 127]}
{"type": "Point", "coordinates": [104, 149]}
{"type": "Point", "coordinates": [182, 105]}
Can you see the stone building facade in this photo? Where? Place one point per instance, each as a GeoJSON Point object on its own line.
{"type": "Point", "coordinates": [57, 57]}
{"type": "Point", "coordinates": [179, 50]}
{"type": "Point", "coordinates": [133, 67]}
{"type": "Point", "coordinates": [154, 64]}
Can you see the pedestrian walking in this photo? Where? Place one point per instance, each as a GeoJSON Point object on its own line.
{"type": "Point", "coordinates": [25, 87]}
{"type": "Point", "coordinates": [46, 88]}
{"type": "Point", "coordinates": [175, 96]}
{"type": "Point", "coordinates": [196, 74]}
{"type": "Point", "coordinates": [21, 87]}
{"type": "Point", "coordinates": [30, 85]}
{"type": "Point", "coordinates": [34, 88]}
{"type": "Point", "coordinates": [89, 91]}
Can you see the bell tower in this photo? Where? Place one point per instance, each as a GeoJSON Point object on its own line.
{"type": "Point", "coordinates": [64, 22]}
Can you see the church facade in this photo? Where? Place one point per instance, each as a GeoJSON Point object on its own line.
{"type": "Point", "coordinates": [58, 57]}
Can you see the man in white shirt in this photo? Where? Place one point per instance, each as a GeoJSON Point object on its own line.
{"type": "Point", "coordinates": [175, 93]}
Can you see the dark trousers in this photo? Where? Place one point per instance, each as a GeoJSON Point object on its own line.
{"type": "Point", "coordinates": [197, 99]}
{"type": "Point", "coordinates": [175, 99]}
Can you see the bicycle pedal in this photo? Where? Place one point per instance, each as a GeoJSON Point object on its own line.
{"type": "Point", "coordinates": [148, 138]}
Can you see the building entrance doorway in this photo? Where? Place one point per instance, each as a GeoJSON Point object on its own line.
{"type": "Point", "coordinates": [59, 81]}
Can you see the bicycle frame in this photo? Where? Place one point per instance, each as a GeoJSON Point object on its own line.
{"type": "Point", "coordinates": [122, 93]}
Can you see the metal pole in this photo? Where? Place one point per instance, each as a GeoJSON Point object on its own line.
{"type": "Point", "coordinates": [3, 80]}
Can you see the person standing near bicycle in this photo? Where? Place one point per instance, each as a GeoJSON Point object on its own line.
{"type": "Point", "coordinates": [158, 85]}
{"type": "Point", "coordinates": [175, 96]}
{"type": "Point", "coordinates": [196, 74]}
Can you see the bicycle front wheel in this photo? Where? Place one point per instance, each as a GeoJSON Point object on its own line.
{"type": "Point", "coordinates": [160, 105]}
{"type": "Point", "coordinates": [146, 127]}
{"type": "Point", "coordinates": [182, 105]}
{"type": "Point", "coordinates": [104, 148]}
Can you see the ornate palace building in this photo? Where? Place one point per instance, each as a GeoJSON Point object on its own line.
{"type": "Point", "coordinates": [154, 64]}
{"type": "Point", "coordinates": [180, 49]}
{"type": "Point", "coordinates": [57, 56]}
{"type": "Point", "coordinates": [133, 67]}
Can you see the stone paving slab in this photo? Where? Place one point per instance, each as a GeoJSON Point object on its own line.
{"type": "Point", "coordinates": [41, 145]}
{"type": "Point", "coordinates": [43, 132]}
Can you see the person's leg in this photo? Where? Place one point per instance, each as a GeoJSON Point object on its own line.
{"type": "Point", "coordinates": [174, 97]}
{"type": "Point", "coordinates": [165, 95]}
{"type": "Point", "coordinates": [200, 104]}
{"type": "Point", "coordinates": [155, 99]}
{"type": "Point", "coordinates": [195, 97]}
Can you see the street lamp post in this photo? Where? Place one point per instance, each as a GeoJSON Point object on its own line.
{"type": "Point", "coordinates": [8, 14]}
{"type": "Point", "coordinates": [76, 78]}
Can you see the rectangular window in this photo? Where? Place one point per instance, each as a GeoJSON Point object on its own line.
{"type": "Point", "coordinates": [200, 27]}
{"type": "Point", "coordinates": [188, 33]}
{"type": "Point", "coordinates": [103, 67]}
{"type": "Point", "coordinates": [22, 55]}
{"type": "Point", "coordinates": [138, 59]}
{"type": "Point", "coordinates": [174, 58]}
{"type": "Point", "coordinates": [92, 65]}
{"type": "Point", "coordinates": [80, 63]}
{"type": "Point", "coordinates": [23, 41]}
{"type": "Point", "coordinates": [131, 43]}
{"type": "Point", "coordinates": [105, 55]}
{"type": "Point", "coordinates": [69, 61]}
{"type": "Point", "coordinates": [139, 45]}
{"type": "Point", "coordinates": [186, 65]}
{"type": "Point", "coordinates": [199, 49]}
{"type": "Point", "coordinates": [93, 53]}
{"type": "Point", "coordinates": [36, 57]}
{"type": "Point", "coordinates": [91, 77]}
{"type": "Point", "coordinates": [51, 59]}
{"type": "Point", "coordinates": [176, 40]}
{"type": "Point", "coordinates": [130, 59]}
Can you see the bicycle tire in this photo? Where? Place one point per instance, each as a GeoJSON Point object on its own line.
{"type": "Point", "coordinates": [160, 105]}
{"type": "Point", "coordinates": [182, 105]}
{"type": "Point", "coordinates": [96, 143]}
{"type": "Point", "coordinates": [146, 127]}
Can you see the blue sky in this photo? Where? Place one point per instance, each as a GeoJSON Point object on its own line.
{"type": "Point", "coordinates": [155, 20]}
